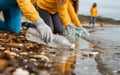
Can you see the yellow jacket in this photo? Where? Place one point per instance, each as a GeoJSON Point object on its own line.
{"type": "Point", "coordinates": [28, 9]}
{"type": "Point", "coordinates": [73, 14]}
{"type": "Point", "coordinates": [66, 11]}
{"type": "Point", "coordinates": [94, 12]}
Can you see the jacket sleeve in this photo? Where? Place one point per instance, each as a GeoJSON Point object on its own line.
{"type": "Point", "coordinates": [96, 12]}
{"type": "Point", "coordinates": [63, 13]}
{"type": "Point", "coordinates": [28, 9]}
{"type": "Point", "coordinates": [90, 11]}
{"type": "Point", "coordinates": [33, 1]}
{"type": "Point", "coordinates": [73, 15]}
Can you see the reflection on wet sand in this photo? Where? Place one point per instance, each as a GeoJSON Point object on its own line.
{"type": "Point", "coordinates": [66, 60]}
{"type": "Point", "coordinates": [67, 68]}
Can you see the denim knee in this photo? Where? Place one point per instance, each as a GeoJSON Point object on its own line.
{"type": "Point", "coordinates": [13, 29]}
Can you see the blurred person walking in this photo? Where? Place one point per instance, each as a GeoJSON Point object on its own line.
{"type": "Point", "coordinates": [93, 14]}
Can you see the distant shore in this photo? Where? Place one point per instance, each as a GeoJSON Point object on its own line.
{"type": "Point", "coordinates": [99, 20]}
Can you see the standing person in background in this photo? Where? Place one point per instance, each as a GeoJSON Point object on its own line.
{"type": "Point", "coordinates": [12, 17]}
{"type": "Point", "coordinates": [93, 14]}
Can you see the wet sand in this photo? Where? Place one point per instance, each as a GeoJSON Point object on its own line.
{"type": "Point", "coordinates": [108, 46]}
{"type": "Point", "coordinates": [93, 55]}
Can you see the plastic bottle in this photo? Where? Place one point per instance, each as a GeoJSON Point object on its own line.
{"type": "Point", "coordinates": [77, 33]}
{"type": "Point", "coordinates": [63, 42]}
{"type": "Point", "coordinates": [58, 41]}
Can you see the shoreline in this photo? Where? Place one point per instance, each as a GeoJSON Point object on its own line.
{"type": "Point", "coordinates": [109, 52]}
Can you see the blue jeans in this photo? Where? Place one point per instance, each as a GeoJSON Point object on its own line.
{"type": "Point", "coordinates": [92, 20]}
{"type": "Point", "coordinates": [12, 16]}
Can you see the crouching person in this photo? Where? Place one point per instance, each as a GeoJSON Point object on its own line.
{"type": "Point", "coordinates": [12, 17]}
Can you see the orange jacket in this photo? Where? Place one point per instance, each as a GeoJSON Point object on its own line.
{"type": "Point", "coordinates": [94, 12]}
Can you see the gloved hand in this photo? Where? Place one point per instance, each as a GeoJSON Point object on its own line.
{"type": "Point", "coordinates": [44, 30]}
{"type": "Point", "coordinates": [82, 30]}
{"type": "Point", "coordinates": [70, 31]}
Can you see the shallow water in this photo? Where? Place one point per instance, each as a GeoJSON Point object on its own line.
{"type": "Point", "coordinates": [78, 62]}
{"type": "Point", "coordinates": [90, 66]}
{"type": "Point", "coordinates": [84, 44]}
{"type": "Point", "coordinates": [74, 62]}
{"type": "Point", "coordinates": [111, 37]}
{"type": "Point", "coordinates": [111, 34]}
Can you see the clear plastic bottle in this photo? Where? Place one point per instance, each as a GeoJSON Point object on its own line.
{"type": "Point", "coordinates": [78, 33]}
{"type": "Point", "coordinates": [58, 41]}
{"type": "Point", "coordinates": [63, 42]}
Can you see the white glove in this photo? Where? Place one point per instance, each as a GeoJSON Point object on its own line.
{"type": "Point", "coordinates": [70, 31]}
{"type": "Point", "coordinates": [44, 30]}
{"type": "Point", "coordinates": [82, 30]}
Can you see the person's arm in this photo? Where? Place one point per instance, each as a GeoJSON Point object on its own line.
{"type": "Point", "coordinates": [28, 9]}
{"type": "Point", "coordinates": [73, 15]}
{"type": "Point", "coordinates": [63, 13]}
{"type": "Point", "coordinates": [96, 12]}
{"type": "Point", "coordinates": [31, 13]}
{"type": "Point", "coordinates": [90, 11]}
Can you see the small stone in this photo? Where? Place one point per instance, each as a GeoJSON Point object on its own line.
{"type": "Point", "coordinates": [20, 71]}
{"type": "Point", "coordinates": [42, 57]}
{"type": "Point", "coordinates": [24, 53]}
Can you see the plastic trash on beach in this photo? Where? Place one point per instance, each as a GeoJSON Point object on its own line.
{"type": "Point", "coordinates": [79, 33]}
{"type": "Point", "coordinates": [58, 41]}
{"type": "Point", "coordinates": [75, 34]}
